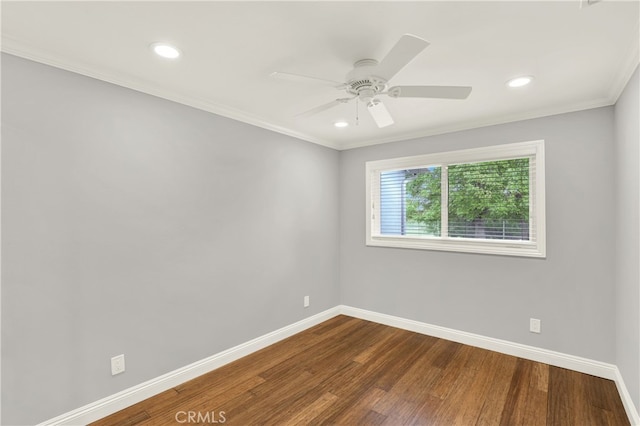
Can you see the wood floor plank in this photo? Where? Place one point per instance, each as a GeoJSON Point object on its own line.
{"type": "Point", "coordinates": [321, 355]}
{"type": "Point", "coordinates": [451, 370]}
{"type": "Point", "coordinates": [260, 405]}
{"type": "Point", "coordinates": [409, 401]}
{"type": "Point", "coordinates": [484, 364]}
{"type": "Point", "coordinates": [405, 357]}
{"type": "Point", "coordinates": [402, 412]}
{"type": "Point", "coordinates": [124, 417]}
{"type": "Point", "coordinates": [311, 412]}
{"type": "Point", "coordinates": [361, 408]}
{"type": "Point", "coordinates": [513, 412]}
{"type": "Point", "coordinates": [496, 396]}
{"type": "Point", "coordinates": [560, 403]}
{"type": "Point", "coordinates": [374, 348]}
{"type": "Point", "coordinates": [605, 397]}
{"type": "Point", "coordinates": [352, 386]}
{"type": "Point", "coordinates": [371, 418]}
{"type": "Point", "coordinates": [320, 369]}
{"type": "Point", "coordinates": [213, 400]}
{"type": "Point", "coordinates": [451, 411]}
{"type": "Point", "coordinates": [576, 399]}
{"type": "Point", "coordinates": [348, 371]}
{"type": "Point", "coordinates": [420, 376]}
{"type": "Point", "coordinates": [535, 408]}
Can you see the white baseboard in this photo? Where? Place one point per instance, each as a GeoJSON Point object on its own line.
{"type": "Point", "coordinates": [583, 365]}
{"type": "Point", "coordinates": [627, 401]}
{"type": "Point", "coordinates": [571, 362]}
{"type": "Point", "coordinates": [133, 395]}
{"type": "Point", "coordinates": [114, 403]}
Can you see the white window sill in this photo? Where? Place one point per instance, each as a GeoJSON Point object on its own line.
{"type": "Point", "coordinates": [464, 245]}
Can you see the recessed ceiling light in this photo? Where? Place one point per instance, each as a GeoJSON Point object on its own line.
{"type": "Point", "coordinates": [165, 50]}
{"type": "Point", "coordinates": [341, 124]}
{"type": "Point", "coordinates": [520, 81]}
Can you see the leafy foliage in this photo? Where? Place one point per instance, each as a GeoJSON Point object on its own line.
{"type": "Point", "coordinates": [483, 197]}
{"type": "Point", "coordinates": [424, 198]}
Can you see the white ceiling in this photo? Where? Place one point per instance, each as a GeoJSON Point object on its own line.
{"type": "Point", "coordinates": [580, 57]}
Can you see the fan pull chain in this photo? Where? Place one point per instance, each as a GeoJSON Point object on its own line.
{"type": "Point", "coordinates": [357, 118]}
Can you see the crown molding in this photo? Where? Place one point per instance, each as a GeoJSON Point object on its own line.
{"type": "Point", "coordinates": [627, 68]}
{"type": "Point", "coordinates": [17, 48]}
{"type": "Point", "coordinates": [475, 124]}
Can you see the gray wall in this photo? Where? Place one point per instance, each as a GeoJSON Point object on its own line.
{"type": "Point", "coordinates": [571, 291]}
{"type": "Point", "coordinates": [135, 225]}
{"type": "Point", "coordinates": [627, 137]}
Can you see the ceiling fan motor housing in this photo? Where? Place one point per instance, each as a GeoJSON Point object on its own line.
{"type": "Point", "coordinates": [362, 82]}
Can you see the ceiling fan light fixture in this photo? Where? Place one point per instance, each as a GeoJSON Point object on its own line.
{"type": "Point", "coordinates": [341, 124]}
{"type": "Point", "coordinates": [520, 81]}
{"type": "Point", "coordinates": [165, 50]}
{"type": "Point", "coordinates": [379, 113]}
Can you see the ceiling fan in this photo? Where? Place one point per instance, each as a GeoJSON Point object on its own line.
{"type": "Point", "coordinates": [369, 79]}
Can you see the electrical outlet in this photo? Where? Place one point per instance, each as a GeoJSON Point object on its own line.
{"type": "Point", "coordinates": [117, 365]}
{"type": "Point", "coordinates": [534, 325]}
{"type": "Point", "coordinates": [306, 301]}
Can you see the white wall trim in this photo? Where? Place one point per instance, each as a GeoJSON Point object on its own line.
{"type": "Point", "coordinates": [627, 67]}
{"type": "Point", "coordinates": [114, 403]}
{"type": "Point", "coordinates": [571, 362]}
{"type": "Point", "coordinates": [583, 365]}
{"type": "Point", "coordinates": [627, 401]}
{"type": "Point", "coordinates": [111, 404]}
{"type": "Point", "coordinates": [17, 48]}
{"type": "Point", "coordinates": [23, 50]}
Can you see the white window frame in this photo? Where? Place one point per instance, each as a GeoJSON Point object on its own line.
{"type": "Point", "coordinates": [535, 248]}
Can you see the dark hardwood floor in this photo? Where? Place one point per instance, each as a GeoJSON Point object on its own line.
{"type": "Point", "coordinates": [348, 371]}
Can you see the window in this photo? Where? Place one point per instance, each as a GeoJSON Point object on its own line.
{"type": "Point", "coordinates": [484, 200]}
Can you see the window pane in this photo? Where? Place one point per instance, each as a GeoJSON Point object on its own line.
{"type": "Point", "coordinates": [489, 200]}
{"type": "Point", "coordinates": [410, 202]}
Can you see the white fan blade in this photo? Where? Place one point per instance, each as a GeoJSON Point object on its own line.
{"type": "Point", "coordinates": [318, 109]}
{"type": "Point", "coordinates": [380, 114]}
{"type": "Point", "coordinates": [400, 55]}
{"type": "Point", "coordinates": [442, 92]}
{"type": "Point", "coordinates": [305, 79]}
{"type": "Point", "coordinates": [323, 107]}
